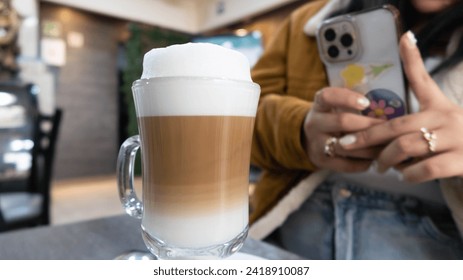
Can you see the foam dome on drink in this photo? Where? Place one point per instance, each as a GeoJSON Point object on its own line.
{"type": "Point", "coordinates": [195, 79]}
{"type": "Point", "coordinates": [196, 60]}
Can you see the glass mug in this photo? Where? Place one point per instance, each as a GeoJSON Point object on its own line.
{"type": "Point", "coordinates": [195, 139]}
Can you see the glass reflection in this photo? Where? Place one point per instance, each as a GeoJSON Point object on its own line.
{"type": "Point", "coordinates": [7, 99]}
{"type": "Point", "coordinates": [16, 132]}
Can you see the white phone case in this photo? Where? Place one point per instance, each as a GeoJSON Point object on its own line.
{"type": "Point", "coordinates": [360, 52]}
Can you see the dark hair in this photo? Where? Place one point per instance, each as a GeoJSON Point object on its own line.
{"type": "Point", "coordinates": [437, 30]}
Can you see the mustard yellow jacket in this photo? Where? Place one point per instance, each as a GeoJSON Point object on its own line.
{"type": "Point", "coordinates": [290, 72]}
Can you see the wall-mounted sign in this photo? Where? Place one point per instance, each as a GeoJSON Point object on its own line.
{"type": "Point", "coordinates": [53, 51]}
{"type": "Point", "coordinates": [51, 28]}
{"type": "Point", "coordinates": [75, 39]}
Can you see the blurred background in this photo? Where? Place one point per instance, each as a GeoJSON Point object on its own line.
{"type": "Point", "coordinates": [66, 67]}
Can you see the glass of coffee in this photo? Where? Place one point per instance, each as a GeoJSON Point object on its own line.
{"type": "Point", "coordinates": [195, 106]}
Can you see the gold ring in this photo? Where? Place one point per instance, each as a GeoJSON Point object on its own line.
{"type": "Point", "coordinates": [329, 146]}
{"type": "Point", "coordinates": [431, 138]}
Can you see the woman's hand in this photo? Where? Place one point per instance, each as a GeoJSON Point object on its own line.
{"type": "Point", "coordinates": [438, 156]}
{"type": "Point", "coordinates": [332, 116]}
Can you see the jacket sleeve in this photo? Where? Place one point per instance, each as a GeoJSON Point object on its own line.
{"type": "Point", "coordinates": [277, 137]}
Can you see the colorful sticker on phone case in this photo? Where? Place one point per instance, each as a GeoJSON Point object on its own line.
{"type": "Point", "coordinates": [355, 75]}
{"type": "Point", "coordinates": [384, 104]}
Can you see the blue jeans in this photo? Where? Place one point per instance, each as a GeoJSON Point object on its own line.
{"type": "Point", "coordinates": [343, 221]}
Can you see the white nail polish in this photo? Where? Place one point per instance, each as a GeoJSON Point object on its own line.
{"type": "Point", "coordinates": [364, 102]}
{"type": "Point", "coordinates": [411, 37]}
{"type": "Point", "coordinates": [347, 140]}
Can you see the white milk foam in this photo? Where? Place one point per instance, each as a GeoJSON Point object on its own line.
{"type": "Point", "coordinates": [198, 231]}
{"type": "Point", "coordinates": [196, 60]}
{"type": "Point", "coordinates": [196, 79]}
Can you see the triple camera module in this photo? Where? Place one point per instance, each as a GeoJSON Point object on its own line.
{"type": "Point", "coordinates": [338, 41]}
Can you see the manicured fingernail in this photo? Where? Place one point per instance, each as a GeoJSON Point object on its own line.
{"type": "Point", "coordinates": [411, 37]}
{"type": "Point", "coordinates": [347, 140]}
{"type": "Point", "coordinates": [364, 102]}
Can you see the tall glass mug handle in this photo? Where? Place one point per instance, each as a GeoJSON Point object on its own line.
{"type": "Point", "coordinates": [125, 165]}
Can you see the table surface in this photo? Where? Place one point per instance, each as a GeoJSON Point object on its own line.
{"type": "Point", "coordinates": [100, 239]}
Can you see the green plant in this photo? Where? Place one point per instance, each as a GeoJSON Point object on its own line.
{"type": "Point", "coordinates": [141, 40]}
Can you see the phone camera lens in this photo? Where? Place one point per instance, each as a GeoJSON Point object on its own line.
{"type": "Point", "coordinates": [333, 51]}
{"type": "Point", "coordinates": [347, 40]}
{"type": "Point", "coordinates": [330, 35]}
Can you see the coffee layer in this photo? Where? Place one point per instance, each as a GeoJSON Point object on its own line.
{"type": "Point", "coordinates": [194, 165]}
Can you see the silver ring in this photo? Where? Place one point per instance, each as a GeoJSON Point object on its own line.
{"type": "Point", "coordinates": [329, 146]}
{"type": "Point", "coordinates": [431, 138]}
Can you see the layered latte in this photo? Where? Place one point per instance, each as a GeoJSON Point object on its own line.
{"type": "Point", "coordinates": [195, 105]}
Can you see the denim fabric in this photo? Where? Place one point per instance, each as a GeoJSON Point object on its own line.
{"type": "Point", "coordinates": [343, 221]}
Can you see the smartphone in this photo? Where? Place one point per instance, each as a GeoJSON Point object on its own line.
{"type": "Point", "coordinates": [360, 51]}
